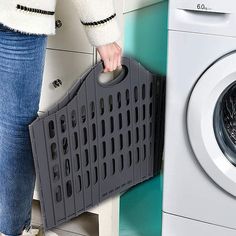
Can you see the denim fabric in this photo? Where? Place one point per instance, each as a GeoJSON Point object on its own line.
{"type": "Point", "coordinates": [21, 71]}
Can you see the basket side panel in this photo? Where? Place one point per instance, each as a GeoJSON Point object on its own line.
{"type": "Point", "coordinates": [65, 158]}
{"type": "Point", "coordinates": [76, 161]}
{"type": "Point", "coordinates": [84, 146]}
{"type": "Point", "coordinates": [54, 167]}
{"type": "Point", "coordinates": [41, 167]}
{"type": "Point", "coordinates": [93, 137]}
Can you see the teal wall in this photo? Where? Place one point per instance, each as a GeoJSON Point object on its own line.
{"type": "Point", "coordinates": [145, 36]}
{"type": "Point", "coordinates": [146, 40]}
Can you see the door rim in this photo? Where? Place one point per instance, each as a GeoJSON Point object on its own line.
{"type": "Point", "coordinates": [200, 127]}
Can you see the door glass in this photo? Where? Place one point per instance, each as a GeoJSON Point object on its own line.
{"type": "Point", "coordinates": [225, 122]}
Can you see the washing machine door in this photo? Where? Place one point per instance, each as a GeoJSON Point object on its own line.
{"type": "Point", "coordinates": [211, 122]}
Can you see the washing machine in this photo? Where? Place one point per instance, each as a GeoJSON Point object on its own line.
{"type": "Point", "coordinates": [199, 189]}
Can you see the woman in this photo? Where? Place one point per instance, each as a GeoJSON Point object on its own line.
{"type": "Point", "coordinates": [24, 27]}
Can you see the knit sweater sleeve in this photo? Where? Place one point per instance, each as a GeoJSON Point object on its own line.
{"type": "Point", "coordinates": [99, 20]}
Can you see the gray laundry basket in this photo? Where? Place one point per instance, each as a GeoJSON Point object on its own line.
{"type": "Point", "coordinates": [99, 140]}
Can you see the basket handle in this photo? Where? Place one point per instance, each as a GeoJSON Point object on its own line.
{"type": "Point", "coordinates": [118, 78]}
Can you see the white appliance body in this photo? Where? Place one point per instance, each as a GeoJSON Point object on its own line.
{"type": "Point", "coordinates": [199, 190]}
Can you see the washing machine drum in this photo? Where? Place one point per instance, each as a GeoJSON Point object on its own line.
{"type": "Point", "coordinates": [225, 123]}
{"type": "Point", "coordinates": [211, 122]}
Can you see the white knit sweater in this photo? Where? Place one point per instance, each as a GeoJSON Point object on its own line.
{"type": "Point", "coordinates": [98, 18]}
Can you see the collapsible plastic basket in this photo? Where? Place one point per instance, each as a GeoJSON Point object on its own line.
{"type": "Point", "coordinates": [99, 140]}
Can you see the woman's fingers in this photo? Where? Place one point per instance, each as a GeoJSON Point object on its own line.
{"type": "Point", "coordinates": [119, 54]}
{"type": "Point", "coordinates": [115, 58]}
{"type": "Point", "coordinates": [106, 64]}
{"type": "Point", "coordinates": [111, 56]}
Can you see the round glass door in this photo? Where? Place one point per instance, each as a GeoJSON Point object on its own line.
{"type": "Point", "coordinates": [225, 123]}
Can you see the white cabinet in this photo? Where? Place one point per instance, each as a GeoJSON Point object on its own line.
{"type": "Point", "coordinates": [68, 56]}
{"type": "Point", "coordinates": [70, 34]}
{"type": "Point", "coordinates": [65, 66]}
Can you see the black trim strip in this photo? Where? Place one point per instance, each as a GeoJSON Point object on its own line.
{"type": "Point", "coordinates": [36, 10]}
{"type": "Point", "coordinates": [99, 22]}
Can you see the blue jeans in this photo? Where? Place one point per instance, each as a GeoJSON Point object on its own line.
{"type": "Point", "coordinates": [21, 71]}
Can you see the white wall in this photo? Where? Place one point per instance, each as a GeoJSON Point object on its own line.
{"type": "Point", "coordinates": [131, 5]}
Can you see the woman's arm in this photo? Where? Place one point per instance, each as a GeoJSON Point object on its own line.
{"type": "Point", "coordinates": [101, 27]}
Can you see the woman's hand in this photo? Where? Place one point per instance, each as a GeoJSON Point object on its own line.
{"type": "Point", "coordinates": [111, 56]}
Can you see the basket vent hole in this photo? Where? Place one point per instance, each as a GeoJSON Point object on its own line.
{"type": "Point", "coordinates": [120, 121]}
{"type": "Point", "coordinates": [51, 129]}
{"type": "Point", "coordinates": [92, 110]}
{"type": "Point", "coordinates": [73, 118]}
{"type": "Point", "coordinates": [121, 162]}
{"type": "Point", "coordinates": [144, 132]}
{"type": "Point", "coordinates": [150, 129]}
{"type": "Point", "coordinates": [150, 109]}
{"type": "Point", "coordinates": [118, 100]}
{"type": "Point", "coordinates": [112, 145]}
{"type": "Point", "coordinates": [103, 128]}
{"type": "Point", "coordinates": [144, 111]}
{"type": "Point", "coordinates": [63, 123]}
{"type": "Point", "coordinates": [129, 137]}
{"type": "Point", "coordinates": [144, 152]}
{"type": "Point", "coordinates": [136, 114]}
{"type": "Point", "coordinates": [88, 179]}
{"type": "Point", "coordinates": [85, 135]}
{"type": "Point", "coordinates": [113, 166]}
{"type": "Point", "coordinates": [75, 140]}
{"type": "Point", "coordinates": [121, 141]}
{"type": "Point", "coordinates": [112, 123]}
{"type": "Point", "coordinates": [127, 96]}
{"type": "Point", "coordinates": [94, 131]}
{"type": "Point", "coordinates": [77, 161]}
{"type": "Point", "coordinates": [110, 103]}
{"type": "Point", "coordinates": [101, 106]}
{"type": "Point", "coordinates": [135, 94]}
{"type": "Point", "coordinates": [104, 173]}
{"type": "Point", "coordinates": [104, 148]}
{"type": "Point", "coordinates": [137, 134]}
{"type": "Point", "coordinates": [128, 117]}
{"type": "Point", "coordinates": [53, 151]}
{"type": "Point", "coordinates": [56, 173]}
{"type": "Point", "coordinates": [65, 145]}
{"type": "Point", "coordinates": [79, 184]}
{"type": "Point", "coordinates": [83, 114]}
{"type": "Point", "coordinates": [95, 175]}
{"type": "Point", "coordinates": [143, 91]}
{"type": "Point", "coordinates": [95, 153]}
{"type": "Point", "coordinates": [86, 157]}
{"type": "Point", "coordinates": [58, 193]}
{"type": "Point", "coordinates": [130, 158]}
{"type": "Point", "coordinates": [69, 188]}
{"type": "Point", "coordinates": [151, 88]}
{"type": "Point", "coordinates": [67, 167]}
